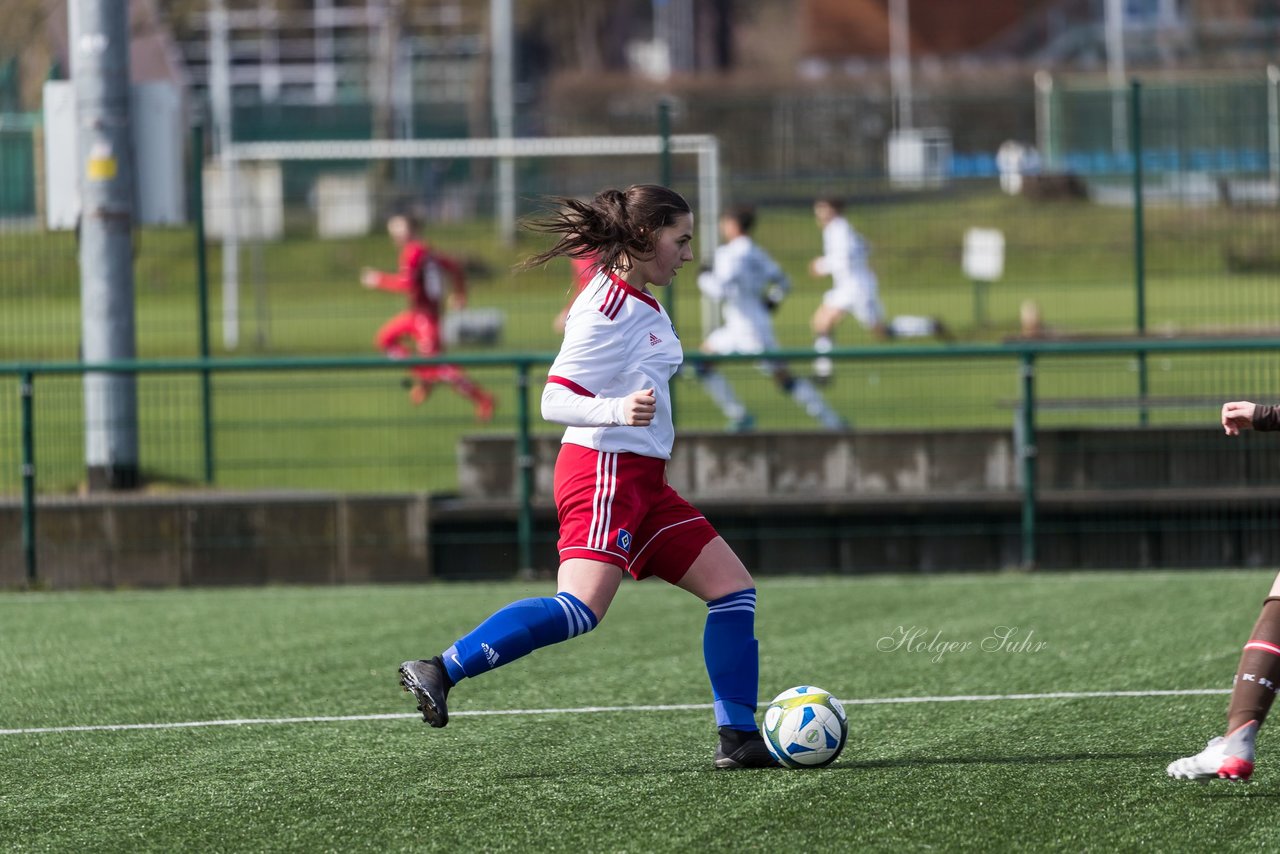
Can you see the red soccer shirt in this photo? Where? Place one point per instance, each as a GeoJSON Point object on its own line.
{"type": "Point", "coordinates": [421, 276]}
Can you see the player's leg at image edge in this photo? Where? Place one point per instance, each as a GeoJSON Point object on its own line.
{"type": "Point", "coordinates": [1231, 757]}
{"type": "Point", "coordinates": [732, 655]}
{"type": "Point", "coordinates": [512, 632]}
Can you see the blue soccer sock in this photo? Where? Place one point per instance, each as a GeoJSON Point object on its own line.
{"type": "Point", "coordinates": [733, 658]}
{"type": "Point", "coordinates": [515, 631]}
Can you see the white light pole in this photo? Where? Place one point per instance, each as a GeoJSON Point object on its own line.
{"type": "Point", "coordinates": [502, 79]}
{"type": "Point", "coordinates": [900, 63]}
{"type": "Point", "coordinates": [1114, 10]}
{"type": "Point", "coordinates": [220, 97]}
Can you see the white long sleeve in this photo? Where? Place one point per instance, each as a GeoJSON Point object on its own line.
{"type": "Point", "coordinates": [617, 341]}
{"type": "Point", "coordinates": [562, 405]}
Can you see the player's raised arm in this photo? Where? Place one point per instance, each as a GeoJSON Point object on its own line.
{"type": "Point", "coordinates": [1242, 415]}
{"type": "Point", "coordinates": [1236, 416]}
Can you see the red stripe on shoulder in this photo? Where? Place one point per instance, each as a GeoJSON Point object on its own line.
{"type": "Point", "coordinates": [570, 384]}
{"type": "Point", "coordinates": [617, 295]}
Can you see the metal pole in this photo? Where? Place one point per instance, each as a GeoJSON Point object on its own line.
{"type": "Point", "coordinates": [1028, 427]}
{"type": "Point", "coordinates": [709, 219]}
{"type": "Point", "coordinates": [220, 98]}
{"type": "Point", "coordinates": [900, 64]}
{"type": "Point", "coordinates": [27, 391]}
{"type": "Point", "coordinates": [105, 147]}
{"type": "Point", "coordinates": [1113, 13]}
{"type": "Point", "coordinates": [524, 464]}
{"type": "Point", "coordinates": [202, 294]}
{"type": "Point", "coordinates": [1273, 125]}
{"type": "Point", "coordinates": [1139, 242]}
{"type": "Point", "coordinates": [1045, 128]}
{"type": "Point", "coordinates": [503, 94]}
{"type": "Point", "coordinates": [664, 178]}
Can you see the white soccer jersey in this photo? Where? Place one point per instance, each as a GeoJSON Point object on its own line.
{"type": "Point", "coordinates": [854, 287]}
{"type": "Point", "coordinates": [739, 279]}
{"type": "Point", "coordinates": [845, 256]}
{"type": "Point", "coordinates": [617, 340]}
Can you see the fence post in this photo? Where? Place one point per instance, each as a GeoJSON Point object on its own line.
{"type": "Point", "coordinates": [27, 391]}
{"type": "Point", "coordinates": [524, 465]}
{"type": "Point", "coordinates": [202, 294]}
{"type": "Point", "coordinates": [1273, 124]}
{"type": "Point", "coordinates": [1027, 423]}
{"type": "Point", "coordinates": [1139, 242]}
{"type": "Point", "coordinates": [665, 178]}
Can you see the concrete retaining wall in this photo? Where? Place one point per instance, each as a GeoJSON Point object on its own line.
{"type": "Point", "coordinates": [787, 502]}
{"type": "Point", "coordinates": [209, 539]}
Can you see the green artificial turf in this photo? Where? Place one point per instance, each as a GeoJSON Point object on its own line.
{"type": "Point", "coordinates": [1069, 774]}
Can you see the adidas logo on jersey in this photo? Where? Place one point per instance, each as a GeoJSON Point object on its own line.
{"type": "Point", "coordinates": [490, 654]}
{"type": "Point", "coordinates": [654, 340]}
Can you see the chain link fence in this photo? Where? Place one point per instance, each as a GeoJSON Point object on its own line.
{"type": "Point", "coordinates": [1150, 210]}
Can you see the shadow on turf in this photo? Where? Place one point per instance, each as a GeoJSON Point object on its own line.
{"type": "Point", "coordinates": [871, 764]}
{"type": "Point", "coordinates": [1158, 758]}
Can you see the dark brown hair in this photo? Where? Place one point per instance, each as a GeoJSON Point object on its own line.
{"type": "Point", "coordinates": [743, 215]}
{"type": "Point", "coordinates": [834, 202]}
{"type": "Point", "coordinates": [613, 224]}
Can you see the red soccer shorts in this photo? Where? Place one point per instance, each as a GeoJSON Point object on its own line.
{"type": "Point", "coordinates": [419, 326]}
{"type": "Point", "coordinates": [618, 508]}
{"type": "Point", "coordinates": [424, 330]}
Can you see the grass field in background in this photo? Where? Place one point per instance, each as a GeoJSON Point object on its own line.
{"type": "Point", "coordinates": [1067, 774]}
{"type": "Point", "coordinates": [301, 295]}
{"type": "Point", "coordinates": [356, 431]}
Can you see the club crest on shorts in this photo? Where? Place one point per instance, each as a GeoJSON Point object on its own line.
{"type": "Point", "coordinates": [624, 540]}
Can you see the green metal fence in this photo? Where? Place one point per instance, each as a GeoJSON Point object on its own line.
{"type": "Point", "coordinates": [1159, 222]}
{"type": "Point", "coordinates": [1174, 195]}
{"type": "Point", "coordinates": [291, 423]}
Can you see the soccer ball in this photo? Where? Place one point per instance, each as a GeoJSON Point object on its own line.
{"type": "Point", "coordinates": [805, 727]}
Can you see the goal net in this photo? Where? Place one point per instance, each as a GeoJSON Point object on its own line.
{"type": "Point", "coordinates": [247, 205]}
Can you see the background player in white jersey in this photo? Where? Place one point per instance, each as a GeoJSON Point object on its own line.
{"type": "Point", "coordinates": [854, 288]}
{"type": "Point", "coordinates": [610, 386]}
{"type": "Point", "coordinates": [748, 285]}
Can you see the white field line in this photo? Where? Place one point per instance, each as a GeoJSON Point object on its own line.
{"type": "Point", "coordinates": [584, 710]}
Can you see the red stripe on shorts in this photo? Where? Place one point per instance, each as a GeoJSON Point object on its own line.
{"type": "Point", "coordinates": [602, 501]}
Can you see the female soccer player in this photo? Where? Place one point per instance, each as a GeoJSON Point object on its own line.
{"type": "Point", "coordinates": [748, 285]}
{"type": "Point", "coordinates": [1257, 679]}
{"type": "Point", "coordinates": [421, 277]}
{"type": "Point", "coordinates": [854, 288]}
{"type": "Point", "coordinates": [609, 386]}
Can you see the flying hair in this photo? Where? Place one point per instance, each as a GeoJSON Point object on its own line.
{"type": "Point", "coordinates": [614, 228]}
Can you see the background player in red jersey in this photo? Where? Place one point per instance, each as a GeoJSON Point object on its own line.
{"type": "Point", "coordinates": [610, 387]}
{"type": "Point", "coordinates": [421, 277]}
{"type": "Point", "coordinates": [1257, 679]}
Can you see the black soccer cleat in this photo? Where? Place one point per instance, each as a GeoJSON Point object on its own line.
{"type": "Point", "coordinates": [739, 749]}
{"type": "Point", "coordinates": [429, 683]}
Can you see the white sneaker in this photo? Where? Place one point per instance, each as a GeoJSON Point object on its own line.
{"type": "Point", "coordinates": [1229, 758]}
{"type": "Point", "coordinates": [823, 367]}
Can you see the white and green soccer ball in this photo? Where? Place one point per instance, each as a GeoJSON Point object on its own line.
{"type": "Point", "coordinates": [805, 727]}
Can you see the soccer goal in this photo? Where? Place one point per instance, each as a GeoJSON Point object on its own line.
{"type": "Point", "coordinates": [705, 148]}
